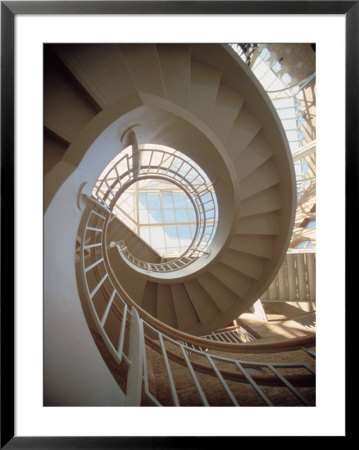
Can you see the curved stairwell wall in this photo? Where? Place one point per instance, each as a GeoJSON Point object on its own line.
{"type": "Point", "coordinates": [199, 100]}
{"type": "Point", "coordinates": [72, 364]}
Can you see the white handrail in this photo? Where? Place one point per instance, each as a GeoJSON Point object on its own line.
{"type": "Point", "coordinates": [139, 334]}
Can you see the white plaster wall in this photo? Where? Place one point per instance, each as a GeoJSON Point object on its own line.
{"type": "Point", "coordinates": [74, 371]}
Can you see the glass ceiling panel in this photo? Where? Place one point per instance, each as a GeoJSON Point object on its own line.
{"type": "Point", "coordinates": [164, 215]}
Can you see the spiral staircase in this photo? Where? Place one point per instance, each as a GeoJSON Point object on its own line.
{"type": "Point", "coordinates": [102, 101]}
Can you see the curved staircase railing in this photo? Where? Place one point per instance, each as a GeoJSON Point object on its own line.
{"type": "Point", "coordinates": [178, 170]}
{"type": "Point", "coordinates": [134, 333]}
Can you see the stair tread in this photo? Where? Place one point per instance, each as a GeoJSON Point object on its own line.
{"type": "Point", "coordinates": [165, 309]}
{"type": "Point", "coordinates": [226, 109]}
{"type": "Point", "coordinates": [235, 281]}
{"type": "Point", "coordinates": [204, 86]}
{"type": "Point", "coordinates": [175, 61]}
{"type": "Point", "coordinates": [244, 130]}
{"type": "Point", "coordinates": [66, 109]}
{"type": "Point", "coordinates": [221, 295]}
{"type": "Point", "coordinates": [149, 299]}
{"type": "Point", "coordinates": [266, 223]}
{"type": "Point", "coordinates": [185, 312]}
{"type": "Point", "coordinates": [257, 245]}
{"type": "Point", "coordinates": [265, 201]}
{"type": "Point", "coordinates": [201, 301]}
{"type": "Point", "coordinates": [245, 263]}
{"type": "Point", "coordinates": [54, 150]}
{"type": "Point", "coordinates": [144, 66]}
{"type": "Point", "coordinates": [262, 178]}
{"type": "Point", "coordinates": [104, 85]}
{"type": "Point", "coordinates": [254, 155]}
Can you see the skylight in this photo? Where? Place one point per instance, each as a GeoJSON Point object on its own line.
{"type": "Point", "coordinates": [170, 202]}
{"type": "Point", "coordinates": [163, 215]}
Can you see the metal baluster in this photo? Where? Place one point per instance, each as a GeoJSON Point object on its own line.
{"type": "Point", "coordinates": [253, 384]}
{"type": "Point", "coordinates": [194, 377]}
{"type": "Point", "coordinates": [169, 372]}
{"type": "Point", "coordinates": [222, 380]}
{"type": "Point", "coordinates": [289, 385]}
{"type": "Point", "coordinates": [122, 333]}
{"type": "Point", "coordinates": [108, 307]}
{"type": "Point", "coordinates": [99, 285]}
{"type": "Point", "coordinates": [93, 265]}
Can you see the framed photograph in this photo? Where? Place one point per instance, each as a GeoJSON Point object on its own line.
{"type": "Point", "coordinates": [161, 239]}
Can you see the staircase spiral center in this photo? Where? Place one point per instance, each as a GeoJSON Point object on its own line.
{"type": "Point", "coordinates": [161, 213]}
{"type": "Point", "coordinates": [163, 199]}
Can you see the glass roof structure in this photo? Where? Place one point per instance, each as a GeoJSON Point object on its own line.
{"type": "Point", "coordinates": [282, 89]}
{"type": "Point", "coordinates": [161, 214]}
{"type": "Point", "coordinates": [157, 210]}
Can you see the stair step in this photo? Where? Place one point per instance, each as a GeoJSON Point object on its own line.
{"type": "Point", "coordinates": [238, 283]}
{"type": "Point", "coordinates": [175, 61]}
{"type": "Point", "coordinates": [185, 313]}
{"type": "Point", "coordinates": [259, 180]}
{"type": "Point", "coordinates": [54, 150]}
{"type": "Point", "coordinates": [165, 309]}
{"type": "Point", "coordinates": [201, 301]}
{"type": "Point", "coordinates": [204, 87]}
{"type": "Point", "coordinates": [244, 130]}
{"type": "Point", "coordinates": [257, 245]}
{"type": "Point", "coordinates": [245, 263]}
{"type": "Point", "coordinates": [266, 223]}
{"type": "Point", "coordinates": [265, 201]}
{"type": "Point", "coordinates": [149, 299]}
{"type": "Point", "coordinates": [66, 109]}
{"type": "Point", "coordinates": [144, 66]}
{"type": "Point", "coordinates": [100, 69]}
{"type": "Point", "coordinates": [227, 107]}
{"type": "Point", "coordinates": [221, 295]}
{"type": "Point", "coordinates": [254, 155]}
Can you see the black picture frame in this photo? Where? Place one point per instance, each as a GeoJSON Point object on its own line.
{"type": "Point", "coordinates": [9, 9]}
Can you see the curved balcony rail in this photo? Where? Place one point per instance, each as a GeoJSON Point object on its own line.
{"type": "Point", "coordinates": [170, 266]}
{"type": "Point", "coordinates": [175, 169]}
{"type": "Point", "coordinates": [236, 334]}
{"type": "Point", "coordinates": [132, 336]}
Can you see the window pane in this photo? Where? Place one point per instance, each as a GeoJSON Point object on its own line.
{"type": "Point", "coordinates": [181, 215]}
{"type": "Point", "coordinates": [169, 216]}
{"type": "Point", "coordinates": [157, 238]}
{"type": "Point", "coordinates": [143, 216]}
{"type": "Point", "coordinates": [167, 200]}
{"type": "Point", "coordinates": [145, 233]}
{"type": "Point", "coordinates": [292, 135]}
{"type": "Point", "coordinates": [193, 230]}
{"type": "Point", "coordinates": [179, 200]}
{"type": "Point", "coordinates": [192, 215]}
{"type": "Point", "coordinates": [287, 113]}
{"type": "Point", "coordinates": [153, 201]}
{"type": "Point", "coordinates": [290, 124]}
{"type": "Point", "coordinates": [284, 102]}
{"type": "Point", "coordinates": [155, 215]}
{"type": "Point", "coordinates": [171, 236]}
{"type": "Point", "coordinates": [184, 235]}
{"type": "Point", "coordinates": [142, 200]}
